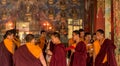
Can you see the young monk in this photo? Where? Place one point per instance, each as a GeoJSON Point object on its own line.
{"type": "Point", "coordinates": [42, 39]}
{"type": "Point", "coordinates": [80, 54]}
{"type": "Point", "coordinates": [105, 55]}
{"type": "Point", "coordinates": [89, 46]}
{"type": "Point", "coordinates": [7, 49]}
{"type": "Point", "coordinates": [59, 52]}
{"type": "Point", "coordinates": [82, 33]}
{"type": "Point", "coordinates": [29, 54]}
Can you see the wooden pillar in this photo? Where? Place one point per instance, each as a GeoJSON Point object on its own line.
{"type": "Point", "coordinates": [95, 14]}
{"type": "Point", "coordinates": [112, 23]}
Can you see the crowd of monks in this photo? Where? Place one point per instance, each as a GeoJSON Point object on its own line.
{"type": "Point", "coordinates": [82, 50]}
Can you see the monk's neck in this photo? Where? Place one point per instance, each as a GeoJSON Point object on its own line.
{"type": "Point", "coordinates": [101, 40]}
{"type": "Point", "coordinates": [81, 39]}
{"type": "Point", "coordinates": [58, 42]}
{"type": "Point", "coordinates": [78, 40]}
{"type": "Point", "coordinates": [87, 42]}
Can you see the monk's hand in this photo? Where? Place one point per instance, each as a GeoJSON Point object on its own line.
{"type": "Point", "coordinates": [73, 50]}
{"type": "Point", "coordinates": [49, 52]}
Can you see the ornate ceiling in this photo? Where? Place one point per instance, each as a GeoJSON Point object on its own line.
{"type": "Point", "coordinates": [55, 11]}
{"type": "Point", "coordinates": [40, 9]}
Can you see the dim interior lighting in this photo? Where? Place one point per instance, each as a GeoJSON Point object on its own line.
{"type": "Point", "coordinates": [23, 25]}
{"type": "Point", "coordinates": [46, 24]}
{"type": "Point", "coordinates": [10, 24]}
{"type": "Point", "coordinates": [50, 27]}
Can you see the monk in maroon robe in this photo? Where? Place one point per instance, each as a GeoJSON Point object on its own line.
{"type": "Point", "coordinates": [79, 55]}
{"type": "Point", "coordinates": [59, 56]}
{"type": "Point", "coordinates": [106, 56]}
{"type": "Point", "coordinates": [52, 46]}
{"type": "Point", "coordinates": [59, 53]}
{"type": "Point", "coordinates": [23, 57]}
{"type": "Point", "coordinates": [29, 54]}
{"type": "Point", "coordinates": [106, 48]}
{"type": "Point", "coordinates": [5, 56]}
{"type": "Point", "coordinates": [7, 49]}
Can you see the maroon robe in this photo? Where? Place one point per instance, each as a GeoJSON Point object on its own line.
{"type": "Point", "coordinates": [80, 55]}
{"type": "Point", "coordinates": [52, 46]}
{"type": "Point", "coordinates": [89, 60]}
{"type": "Point", "coordinates": [5, 56]}
{"type": "Point", "coordinates": [108, 48]}
{"type": "Point", "coordinates": [59, 56]}
{"type": "Point", "coordinates": [23, 57]}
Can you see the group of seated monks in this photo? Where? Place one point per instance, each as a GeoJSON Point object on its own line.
{"type": "Point", "coordinates": [81, 50]}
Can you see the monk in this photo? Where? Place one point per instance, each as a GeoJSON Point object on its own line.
{"type": "Point", "coordinates": [59, 52]}
{"type": "Point", "coordinates": [89, 46]}
{"type": "Point", "coordinates": [16, 39]}
{"type": "Point", "coordinates": [82, 33]}
{"type": "Point", "coordinates": [42, 40]}
{"type": "Point", "coordinates": [7, 49]}
{"type": "Point", "coordinates": [105, 50]}
{"type": "Point", "coordinates": [80, 54]}
{"type": "Point", "coordinates": [50, 46]}
{"type": "Point", "coordinates": [29, 54]}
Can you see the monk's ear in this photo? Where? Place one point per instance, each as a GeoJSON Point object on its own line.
{"type": "Point", "coordinates": [78, 35]}
{"type": "Point", "coordinates": [8, 36]}
{"type": "Point", "coordinates": [103, 35]}
{"type": "Point", "coordinates": [57, 38]}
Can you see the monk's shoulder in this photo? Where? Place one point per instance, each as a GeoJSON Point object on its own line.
{"type": "Point", "coordinates": [108, 41]}
{"type": "Point", "coordinates": [60, 47]}
{"type": "Point", "coordinates": [82, 42]}
{"type": "Point", "coordinates": [20, 48]}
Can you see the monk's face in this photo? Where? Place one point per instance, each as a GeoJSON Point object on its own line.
{"type": "Point", "coordinates": [99, 35]}
{"type": "Point", "coordinates": [82, 34]}
{"type": "Point", "coordinates": [44, 34]}
{"type": "Point", "coordinates": [33, 41]}
{"type": "Point", "coordinates": [94, 37]}
{"type": "Point", "coordinates": [10, 36]}
{"type": "Point", "coordinates": [75, 36]}
{"type": "Point", "coordinates": [54, 39]}
{"type": "Point", "coordinates": [88, 37]}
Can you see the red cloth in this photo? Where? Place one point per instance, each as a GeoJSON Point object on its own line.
{"type": "Point", "coordinates": [22, 57]}
{"type": "Point", "coordinates": [69, 48]}
{"type": "Point", "coordinates": [59, 56]}
{"type": "Point", "coordinates": [108, 48]}
{"type": "Point", "coordinates": [5, 56]}
{"type": "Point", "coordinates": [80, 55]}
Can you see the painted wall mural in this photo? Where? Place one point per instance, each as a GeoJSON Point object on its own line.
{"type": "Point", "coordinates": [100, 18]}
{"type": "Point", "coordinates": [116, 8]}
{"type": "Point", "coordinates": [108, 19]}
